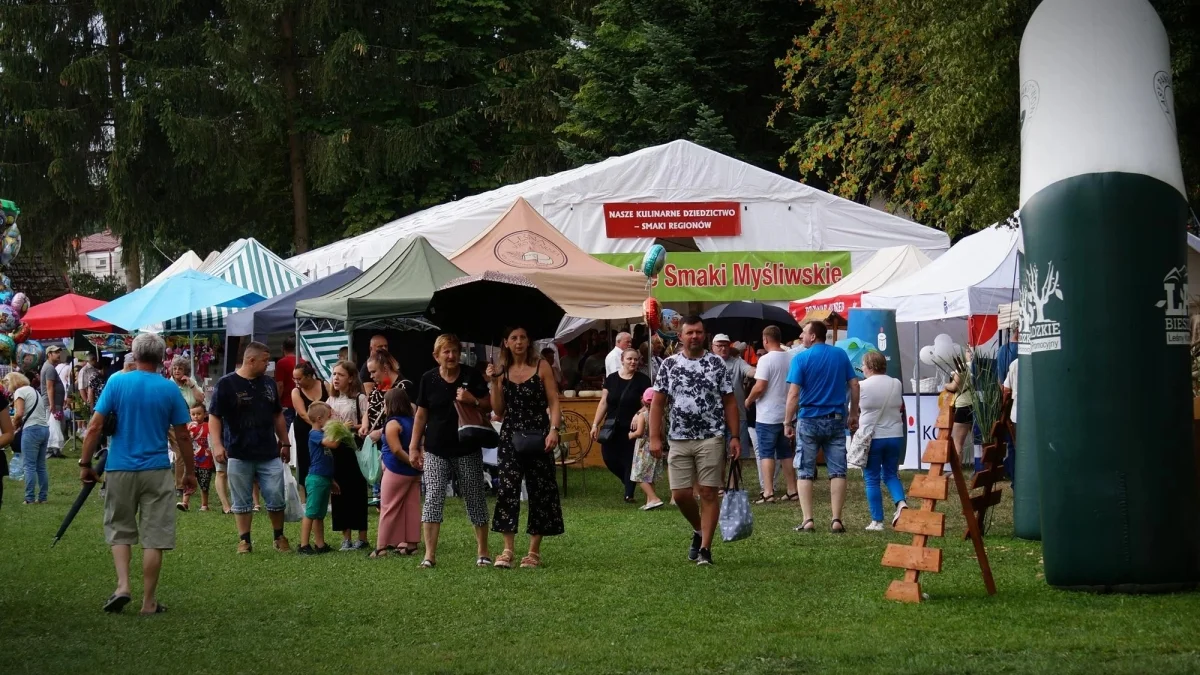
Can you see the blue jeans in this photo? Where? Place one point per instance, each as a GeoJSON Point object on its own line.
{"type": "Point", "coordinates": [241, 474]}
{"type": "Point", "coordinates": [33, 454]}
{"type": "Point", "coordinates": [883, 459]}
{"type": "Point", "coordinates": [772, 443]}
{"type": "Point", "coordinates": [814, 433]}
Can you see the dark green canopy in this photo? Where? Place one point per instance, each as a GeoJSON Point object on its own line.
{"type": "Point", "coordinates": [399, 285]}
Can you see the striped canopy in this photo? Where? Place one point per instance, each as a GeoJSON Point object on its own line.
{"type": "Point", "coordinates": [248, 264]}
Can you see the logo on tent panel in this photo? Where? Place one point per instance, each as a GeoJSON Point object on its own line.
{"type": "Point", "coordinates": [529, 250]}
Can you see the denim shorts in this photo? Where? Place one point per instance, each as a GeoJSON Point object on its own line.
{"type": "Point", "coordinates": [241, 474]}
{"type": "Point", "coordinates": [815, 433]}
{"type": "Point", "coordinates": [772, 443]}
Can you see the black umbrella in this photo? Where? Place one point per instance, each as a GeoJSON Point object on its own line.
{"type": "Point", "coordinates": [479, 307]}
{"type": "Point", "coordinates": [83, 495]}
{"type": "Point", "coordinates": [746, 321]}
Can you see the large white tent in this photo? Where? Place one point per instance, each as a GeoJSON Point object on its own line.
{"type": "Point", "coordinates": [777, 214]}
{"type": "Point", "coordinates": [187, 261]}
{"type": "Point", "coordinates": [888, 265]}
{"type": "Point", "coordinates": [973, 278]}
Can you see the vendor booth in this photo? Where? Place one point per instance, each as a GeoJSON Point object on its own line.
{"type": "Point", "coordinates": [888, 265]}
{"type": "Point", "coordinates": [735, 232]}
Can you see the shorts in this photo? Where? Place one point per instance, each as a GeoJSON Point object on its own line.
{"type": "Point", "coordinates": [814, 433]}
{"type": "Point", "coordinates": [691, 462]}
{"type": "Point", "coordinates": [316, 496]}
{"type": "Point", "coordinates": [140, 504]}
{"type": "Point", "coordinates": [221, 466]}
{"type": "Point", "coordinates": [772, 443]}
{"type": "Point", "coordinates": [241, 475]}
{"type": "Point", "coordinates": [964, 415]}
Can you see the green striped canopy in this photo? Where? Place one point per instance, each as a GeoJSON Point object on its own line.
{"type": "Point", "coordinates": [248, 264]}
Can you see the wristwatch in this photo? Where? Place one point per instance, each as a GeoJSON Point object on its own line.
{"type": "Point", "coordinates": [85, 463]}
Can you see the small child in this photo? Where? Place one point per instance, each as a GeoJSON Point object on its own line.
{"type": "Point", "coordinates": [198, 428]}
{"type": "Point", "coordinates": [646, 469]}
{"type": "Point", "coordinates": [319, 483]}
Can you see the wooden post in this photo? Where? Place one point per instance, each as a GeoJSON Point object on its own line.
{"type": "Point", "coordinates": [926, 522]}
{"type": "Point", "coordinates": [993, 466]}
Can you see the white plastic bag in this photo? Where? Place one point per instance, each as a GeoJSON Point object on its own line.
{"type": "Point", "coordinates": [293, 510]}
{"type": "Point", "coordinates": [56, 435]}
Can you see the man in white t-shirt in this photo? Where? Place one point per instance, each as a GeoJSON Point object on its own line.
{"type": "Point", "coordinates": [612, 362]}
{"type": "Point", "coordinates": [769, 395]}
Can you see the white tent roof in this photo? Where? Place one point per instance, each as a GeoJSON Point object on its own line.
{"type": "Point", "coordinates": [888, 265]}
{"type": "Point", "coordinates": [778, 214]}
{"type": "Point", "coordinates": [975, 276]}
{"type": "Point", "coordinates": [187, 261]}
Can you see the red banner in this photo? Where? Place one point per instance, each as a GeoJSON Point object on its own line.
{"type": "Point", "coordinates": [839, 304]}
{"type": "Point", "coordinates": [673, 219]}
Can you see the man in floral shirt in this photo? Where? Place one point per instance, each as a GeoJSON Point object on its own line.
{"type": "Point", "coordinates": [695, 385]}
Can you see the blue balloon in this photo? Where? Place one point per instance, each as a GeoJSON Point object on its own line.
{"type": "Point", "coordinates": [671, 320]}
{"type": "Point", "coordinates": [653, 261]}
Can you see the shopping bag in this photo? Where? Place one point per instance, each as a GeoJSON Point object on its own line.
{"type": "Point", "coordinates": [736, 521]}
{"type": "Point", "coordinates": [56, 440]}
{"type": "Point", "coordinates": [293, 510]}
{"type": "Point", "coordinates": [369, 462]}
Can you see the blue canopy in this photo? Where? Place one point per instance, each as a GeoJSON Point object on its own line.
{"type": "Point", "coordinates": [179, 295]}
{"type": "Point", "coordinates": [277, 315]}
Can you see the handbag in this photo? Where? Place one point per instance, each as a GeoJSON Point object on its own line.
{"type": "Point", "coordinates": [529, 442]}
{"type": "Point", "coordinates": [473, 430]}
{"type": "Point", "coordinates": [736, 520]}
{"type": "Point", "coordinates": [609, 428]}
{"type": "Point", "coordinates": [860, 443]}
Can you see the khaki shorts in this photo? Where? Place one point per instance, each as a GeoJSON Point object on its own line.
{"type": "Point", "coordinates": [691, 462]}
{"type": "Point", "coordinates": [140, 503]}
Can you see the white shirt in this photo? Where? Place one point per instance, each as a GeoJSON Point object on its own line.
{"type": "Point", "coordinates": [773, 368]}
{"type": "Point", "coordinates": [1010, 382]}
{"type": "Point", "coordinates": [64, 374]}
{"type": "Point", "coordinates": [612, 362]}
{"type": "Point", "coordinates": [30, 396]}
{"type": "Point", "coordinates": [874, 393]}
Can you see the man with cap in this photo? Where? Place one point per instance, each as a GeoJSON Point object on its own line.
{"type": "Point", "coordinates": [53, 390]}
{"type": "Point", "coordinates": [738, 371]}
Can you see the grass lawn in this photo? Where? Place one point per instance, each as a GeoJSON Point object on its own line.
{"type": "Point", "coordinates": [616, 596]}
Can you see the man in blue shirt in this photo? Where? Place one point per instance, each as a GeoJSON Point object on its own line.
{"type": "Point", "coordinates": [819, 380]}
{"type": "Point", "coordinates": [140, 496]}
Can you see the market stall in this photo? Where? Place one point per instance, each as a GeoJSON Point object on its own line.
{"type": "Point", "coordinates": [888, 265]}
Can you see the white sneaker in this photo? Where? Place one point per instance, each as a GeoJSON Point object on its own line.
{"type": "Point", "coordinates": [874, 526]}
{"type": "Point", "coordinates": [896, 517]}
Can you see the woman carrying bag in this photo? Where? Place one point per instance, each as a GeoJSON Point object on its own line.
{"type": "Point", "coordinates": [619, 403]}
{"type": "Point", "coordinates": [881, 414]}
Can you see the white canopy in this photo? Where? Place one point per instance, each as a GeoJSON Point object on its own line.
{"type": "Point", "coordinates": [187, 261]}
{"type": "Point", "coordinates": [778, 214]}
{"type": "Point", "coordinates": [888, 265]}
{"type": "Point", "coordinates": [974, 277]}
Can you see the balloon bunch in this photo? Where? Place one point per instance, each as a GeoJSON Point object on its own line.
{"type": "Point", "coordinates": [944, 354]}
{"type": "Point", "coordinates": [15, 346]}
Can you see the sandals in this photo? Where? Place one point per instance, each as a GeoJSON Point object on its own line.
{"type": "Point", "coordinates": [803, 527]}
{"type": "Point", "coordinates": [837, 527]}
{"type": "Point", "coordinates": [406, 550]}
{"type": "Point", "coordinates": [483, 561]}
{"type": "Point", "coordinates": [427, 563]}
{"type": "Point", "coordinates": [381, 552]}
{"type": "Point", "coordinates": [531, 561]}
{"type": "Point", "coordinates": [159, 608]}
{"type": "Point", "coordinates": [765, 499]}
{"type": "Point", "coordinates": [791, 497]}
{"type": "Point", "coordinates": [181, 506]}
{"type": "Point", "coordinates": [505, 560]}
{"type": "Point", "coordinates": [116, 603]}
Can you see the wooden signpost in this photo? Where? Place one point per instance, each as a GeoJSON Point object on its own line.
{"type": "Point", "coordinates": [926, 522]}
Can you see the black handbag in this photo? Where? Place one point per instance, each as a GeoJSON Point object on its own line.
{"type": "Point", "coordinates": [609, 428]}
{"type": "Point", "coordinates": [529, 442]}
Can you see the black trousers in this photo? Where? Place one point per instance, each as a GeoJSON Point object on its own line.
{"type": "Point", "coordinates": [618, 457]}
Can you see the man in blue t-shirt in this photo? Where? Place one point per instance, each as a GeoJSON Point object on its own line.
{"type": "Point", "coordinates": [819, 380]}
{"type": "Point", "coordinates": [140, 498]}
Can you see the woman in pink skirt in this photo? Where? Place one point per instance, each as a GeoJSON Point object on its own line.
{"type": "Point", "coordinates": [400, 493]}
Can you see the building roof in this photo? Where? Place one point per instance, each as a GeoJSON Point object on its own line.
{"type": "Point", "coordinates": [101, 242]}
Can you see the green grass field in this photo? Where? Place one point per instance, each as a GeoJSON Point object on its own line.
{"type": "Point", "coordinates": [616, 596]}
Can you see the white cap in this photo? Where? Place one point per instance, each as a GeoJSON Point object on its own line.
{"type": "Point", "coordinates": [720, 337]}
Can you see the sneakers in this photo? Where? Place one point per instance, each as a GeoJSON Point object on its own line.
{"type": "Point", "coordinates": [694, 551]}
{"type": "Point", "coordinates": [306, 550]}
{"type": "Point", "coordinates": [346, 545]}
{"type": "Point", "coordinates": [244, 546]}
{"type": "Point", "coordinates": [323, 549]}
{"type": "Point", "coordinates": [705, 558]}
{"type": "Point", "coordinates": [896, 518]}
{"type": "Point", "coordinates": [874, 526]}
{"type": "Point", "coordinates": [281, 545]}
{"type": "Point", "coordinates": [361, 545]}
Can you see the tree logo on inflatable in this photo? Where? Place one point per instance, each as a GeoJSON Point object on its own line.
{"type": "Point", "coordinates": [14, 345]}
{"type": "Point", "coordinates": [1038, 332]}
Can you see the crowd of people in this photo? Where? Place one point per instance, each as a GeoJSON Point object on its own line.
{"type": "Point", "coordinates": [167, 440]}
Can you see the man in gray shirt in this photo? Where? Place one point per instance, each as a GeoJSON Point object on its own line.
{"type": "Point", "coordinates": [739, 371]}
{"type": "Point", "coordinates": [53, 390]}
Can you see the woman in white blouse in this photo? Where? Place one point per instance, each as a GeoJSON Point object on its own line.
{"type": "Point", "coordinates": [881, 403]}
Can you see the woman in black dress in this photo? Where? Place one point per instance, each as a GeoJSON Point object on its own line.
{"type": "Point", "coordinates": [525, 394]}
{"type": "Point", "coordinates": [309, 389]}
{"type": "Point", "coordinates": [621, 400]}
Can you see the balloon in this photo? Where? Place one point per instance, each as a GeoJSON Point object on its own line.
{"type": "Point", "coordinates": [9, 320]}
{"type": "Point", "coordinates": [943, 340]}
{"type": "Point", "coordinates": [652, 314]}
{"type": "Point", "coordinates": [7, 348]}
{"type": "Point", "coordinates": [10, 245]}
{"type": "Point", "coordinates": [29, 356]}
{"type": "Point", "coordinates": [20, 302]}
{"type": "Point", "coordinates": [5, 283]}
{"type": "Point", "coordinates": [6, 298]}
{"type": "Point", "coordinates": [927, 355]}
{"type": "Point", "coordinates": [671, 321]}
{"type": "Point", "coordinates": [22, 333]}
{"type": "Point", "coordinates": [653, 261]}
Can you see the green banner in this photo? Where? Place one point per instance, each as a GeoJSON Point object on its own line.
{"type": "Point", "coordinates": [740, 275]}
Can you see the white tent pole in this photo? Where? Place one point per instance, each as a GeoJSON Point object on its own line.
{"type": "Point", "coordinates": [917, 389]}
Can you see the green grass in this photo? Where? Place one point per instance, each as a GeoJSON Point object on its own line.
{"type": "Point", "coordinates": [616, 596]}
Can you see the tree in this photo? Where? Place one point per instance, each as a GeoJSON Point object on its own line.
{"type": "Point", "coordinates": [653, 71]}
